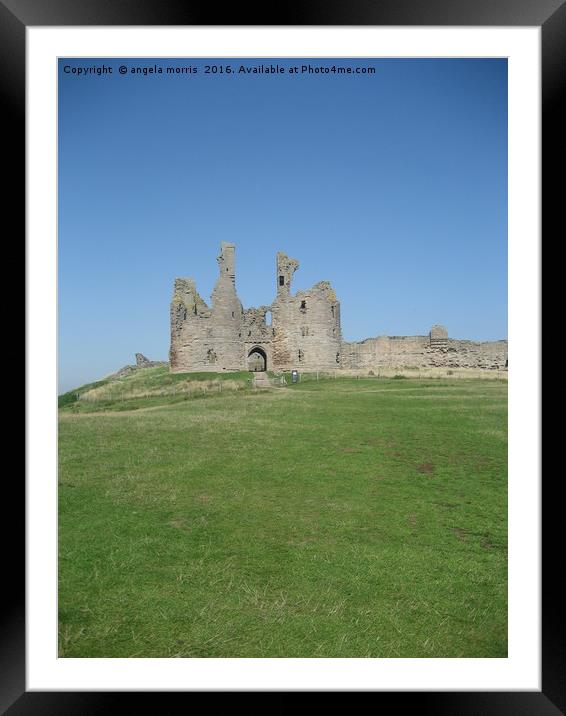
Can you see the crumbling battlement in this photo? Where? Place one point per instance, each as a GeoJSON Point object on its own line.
{"type": "Point", "coordinates": [300, 331]}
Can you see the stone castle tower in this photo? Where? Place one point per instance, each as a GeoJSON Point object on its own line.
{"type": "Point", "coordinates": [304, 331]}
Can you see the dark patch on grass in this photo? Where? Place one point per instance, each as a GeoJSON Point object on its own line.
{"type": "Point", "coordinates": [460, 533]}
{"type": "Point", "coordinates": [426, 468]}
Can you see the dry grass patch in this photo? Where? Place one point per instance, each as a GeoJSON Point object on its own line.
{"type": "Point", "coordinates": [125, 391]}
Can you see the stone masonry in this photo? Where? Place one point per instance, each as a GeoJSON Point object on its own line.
{"type": "Point", "coordinates": [304, 332]}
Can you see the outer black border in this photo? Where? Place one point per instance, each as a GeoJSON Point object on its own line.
{"type": "Point", "coordinates": [15, 16]}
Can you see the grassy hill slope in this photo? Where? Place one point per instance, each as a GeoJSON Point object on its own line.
{"type": "Point", "coordinates": [147, 387]}
{"type": "Point", "coordinates": [338, 518]}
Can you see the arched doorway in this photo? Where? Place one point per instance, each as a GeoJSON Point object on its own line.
{"type": "Point", "coordinates": [257, 360]}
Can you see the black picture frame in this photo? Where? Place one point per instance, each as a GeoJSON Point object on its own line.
{"type": "Point", "coordinates": [550, 15]}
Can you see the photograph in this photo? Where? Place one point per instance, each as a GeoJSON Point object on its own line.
{"type": "Point", "coordinates": [282, 357]}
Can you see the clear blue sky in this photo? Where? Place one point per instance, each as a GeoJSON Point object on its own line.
{"type": "Point", "coordinates": [392, 186]}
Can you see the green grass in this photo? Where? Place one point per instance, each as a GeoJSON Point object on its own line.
{"type": "Point", "coordinates": [339, 518]}
{"type": "Point", "coordinates": [150, 387]}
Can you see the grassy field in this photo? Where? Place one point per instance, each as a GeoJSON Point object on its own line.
{"type": "Point", "coordinates": [339, 518]}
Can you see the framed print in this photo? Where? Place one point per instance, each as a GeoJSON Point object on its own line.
{"type": "Point", "coordinates": [267, 499]}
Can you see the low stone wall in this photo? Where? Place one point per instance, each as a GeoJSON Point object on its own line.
{"type": "Point", "coordinates": [422, 352]}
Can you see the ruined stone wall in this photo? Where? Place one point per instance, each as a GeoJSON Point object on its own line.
{"type": "Point", "coordinates": [191, 332]}
{"type": "Point", "coordinates": [470, 354]}
{"type": "Point", "coordinates": [204, 338]}
{"type": "Point", "coordinates": [227, 315]}
{"type": "Point", "coordinates": [434, 350]}
{"type": "Point", "coordinates": [306, 328]}
{"type": "Point", "coordinates": [256, 333]}
{"type": "Point", "coordinates": [141, 362]}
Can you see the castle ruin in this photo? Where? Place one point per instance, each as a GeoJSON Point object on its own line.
{"type": "Point", "coordinates": [297, 332]}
